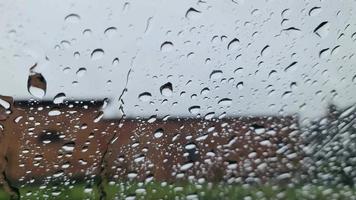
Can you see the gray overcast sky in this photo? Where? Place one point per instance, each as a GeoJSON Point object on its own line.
{"type": "Point", "coordinates": [198, 44]}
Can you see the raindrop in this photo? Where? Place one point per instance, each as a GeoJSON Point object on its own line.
{"type": "Point", "coordinates": [291, 30]}
{"type": "Point", "coordinates": [148, 24]}
{"type": "Point", "coordinates": [158, 133]}
{"type": "Point", "coordinates": [205, 91]}
{"type": "Point", "coordinates": [194, 110]}
{"type": "Point", "coordinates": [322, 29]}
{"type": "Point", "coordinates": [167, 89]}
{"type": "Point", "coordinates": [240, 85]}
{"type": "Point", "coordinates": [152, 119]}
{"type": "Point", "coordinates": [265, 50]}
{"type": "Point", "coordinates": [111, 31]}
{"type": "Point", "coordinates": [145, 96]}
{"type": "Point", "coordinates": [314, 11]}
{"type": "Point", "coordinates": [68, 147]}
{"type": "Point", "coordinates": [209, 115]}
{"type": "Point", "coordinates": [126, 7]}
{"type": "Point", "coordinates": [76, 55]}
{"type": "Point", "coordinates": [72, 18]}
{"type": "Point", "coordinates": [54, 112]}
{"type": "Point", "coordinates": [225, 101]}
{"type": "Point", "coordinates": [290, 67]}
{"type": "Point", "coordinates": [4, 103]}
{"type": "Point", "coordinates": [324, 53]}
{"type": "Point", "coordinates": [353, 36]}
{"type": "Point", "coordinates": [190, 146]}
{"type": "Point", "coordinates": [233, 44]}
{"type": "Point", "coordinates": [192, 13]}
{"type": "Point", "coordinates": [167, 46]}
{"type": "Point", "coordinates": [87, 32]}
{"type": "Point", "coordinates": [81, 72]}
{"type": "Point", "coordinates": [285, 13]}
{"type": "Point", "coordinates": [115, 62]}
{"type": "Point", "coordinates": [216, 74]}
{"type": "Point", "coordinates": [59, 98]}
{"type": "Point", "coordinates": [36, 84]}
{"type": "Point", "coordinates": [186, 166]}
{"type": "Point", "coordinates": [65, 44]}
{"type": "Point", "coordinates": [98, 117]}
{"type": "Point", "coordinates": [97, 54]}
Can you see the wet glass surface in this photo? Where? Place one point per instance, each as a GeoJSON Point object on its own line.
{"type": "Point", "coordinates": [201, 99]}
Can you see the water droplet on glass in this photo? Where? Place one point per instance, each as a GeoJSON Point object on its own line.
{"type": "Point", "coordinates": [314, 11]}
{"type": "Point", "coordinates": [54, 112]}
{"type": "Point", "coordinates": [166, 89]}
{"type": "Point", "coordinates": [145, 96]}
{"type": "Point", "coordinates": [76, 55]}
{"type": "Point", "coordinates": [291, 66]}
{"type": "Point", "coordinates": [87, 32]}
{"type": "Point", "coordinates": [68, 147]}
{"type": "Point", "coordinates": [216, 74]}
{"type": "Point", "coordinates": [225, 101]}
{"type": "Point", "coordinates": [158, 133]}
{"type": "Point", "coordinates": [233, 44]}
{"type": "Point", "coordinates": [240, 85]}
{"type": "Point", "coordinates": [81, 72]}
{"type": "Point", "coordinates": [59, 98]}
{"type": "Point", "coordinates": [72, 18]}
{"type": "Point", "coordinates": [167, 46]}
{"type": "Point", "coordinates": [4, 103]}
{"type": "Point", "coordinates": [192, 13]}
{"type": "Point", "coordinates": [115, 62]}
{"type": "Point", "coordinates": [111, 31]}
{"type": "Point", "coordinates": [209, 115]}
{"type": "Point", "coordinates": [322, 29]}
{"type": "Point", "coordinates": [36, 84]}
{"type": "Point", "coordinates": [97, 54]}
{"type": "Point", "coordinates": [186, 166]}
{"type": "Point", "coordinates": [194, 109]}
{"type": "Point", "coordinates": [205, 91]}
{"type": "Point", "coordinates": [265, 51]}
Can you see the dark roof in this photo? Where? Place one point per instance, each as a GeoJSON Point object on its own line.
{"type": "Point", "coordinates": [75, 103]}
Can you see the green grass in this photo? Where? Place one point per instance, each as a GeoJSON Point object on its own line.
{"type": "Point", "coordinates": [155, 190]}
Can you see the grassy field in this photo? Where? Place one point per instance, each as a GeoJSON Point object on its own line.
{"type": "Point", "coordinates": [187, 191]}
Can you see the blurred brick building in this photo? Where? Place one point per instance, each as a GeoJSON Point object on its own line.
{"type": "Point", "coordinates": [43, 140]}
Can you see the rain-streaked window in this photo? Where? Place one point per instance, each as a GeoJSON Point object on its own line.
{"type": "Point", "coordinates": [192, 99]}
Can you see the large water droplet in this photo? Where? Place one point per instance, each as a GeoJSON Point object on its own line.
{"type": "Point", "coordinates": [36, 85]}
{"type": "Point", "coordinates": [145, 96]}
{"type": "Point", "coordinates": [167, 89]}
{"type": "Point", "coordinates": [97, 54]}
{"type": "Point", "coordinates": [265, 51]}
{"type": "Point", "coordinates": [4, 102]}
{"type": "Point", "coordinates": [81, 72]}
{"type": "Point", "coordinates": [54, 112]}
{"type": "Point", "coordinates": [216, 74]}
{"type": "Point", "coordinates": [158, 133]}
{"type": "Point", "coordinates": [322, 29]}
{"type": "Point", "coordinates": [59, 98]}
{"type": "Point", "coordinates": [225, 101]}
{"type": "Point", "coordinates": [233, 44]}
{"type": "Point", "coordinates": [194, 109]}
{"type": "Point", "coordinates": [314, 11]}
{"type": "Point", "coordinates": [68, 147]}
{"type": "Point", "coordinates": [167, 46]}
